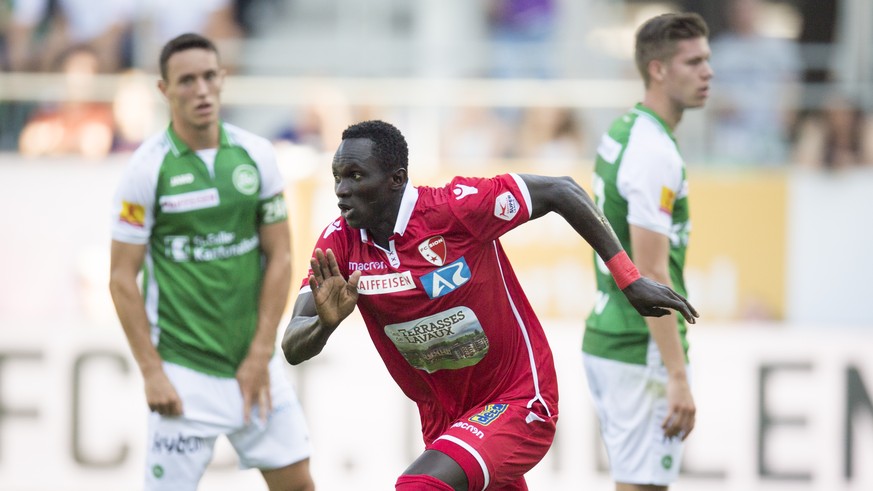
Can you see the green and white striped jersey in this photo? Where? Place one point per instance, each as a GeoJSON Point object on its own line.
{"type": "Point", "coordinates": [199, 215]}
{"type": "Point", "coordinates": [639, 179]}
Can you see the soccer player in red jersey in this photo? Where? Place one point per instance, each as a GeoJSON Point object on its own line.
{"type": "Point", "coordinates": [443, 307]}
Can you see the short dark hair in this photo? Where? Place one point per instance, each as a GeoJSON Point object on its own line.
{"type": "Point", "coordinates": [656, 39]}
{"type": "Point", "coordinates": [389, 145]}
{"type": "Point", "coordinates": [184, 42]}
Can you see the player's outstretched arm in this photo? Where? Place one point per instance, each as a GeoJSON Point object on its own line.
{"type": "Point", "coordinates": [317, 313]}
{"type": "Point", "coordinates": [565, 197]}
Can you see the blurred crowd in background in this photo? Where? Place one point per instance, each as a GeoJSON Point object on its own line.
{"type": "Point", "coordinates": [792, 85]}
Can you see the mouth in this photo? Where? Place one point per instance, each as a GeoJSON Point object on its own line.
{"type": "Point", "coordinates": [203, 108]}
{"type": "Point", "coordinates": [344, 209]}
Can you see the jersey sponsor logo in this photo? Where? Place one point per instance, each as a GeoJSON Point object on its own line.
{"type": "Point", "coordinates": [489, 414]}
{"type": "Point", "coordinates": [245, 179]}
{"type": "Point", "coordinates": [195, 200]}
{"type": "Point", "coordinates": [379, 284]}
{"type": "Point", "coordinates": [357, 266]}
{"type": "Point", "coordinates": [668, 197]}
{"type": "Point", "coordinates": [608, 149]}
{"type": "Point", "coordinates": [211, 247]}
{"type": "Point", "coordinates": [472, 429]}
{"type": "Point", "coordinates": [274, 209]}
{"type": "Point", "coordinates": [450, 339]}
{"type": "Point", "coordinates": [446, 279]}
{"type": "Point", "coordinates": [462, 191]}
{"type": "Point", "coordinates": [179, 444]}
{"type": "Point", "coordinates": [132, 214]}
{"type": "Point", "coordinates": [506, 206]}
{"type": "Point", "coordinates": [333, 227]}
{"type": "Point", "coordinates": [181, 180]}
{"type": "Point", "coordinates": [434, 250]}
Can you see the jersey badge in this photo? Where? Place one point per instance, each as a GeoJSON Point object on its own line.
{"type": "Point", "coordinates": [446, 279]}
{"type": "Point", "coordinates": [245, 179]}
{"type": "Point", "coordinates": [434, 250]}
{"type": "Point", "coordinates": [488, 415]}
{"type": "Point", "coordinates": [506, 206]}
{"type": "Point", "coordinates": [668, 197]}
{"type": "Point", "coordinates": [462, 191]}
{"type": "Point", "coordinates": [132, 214]}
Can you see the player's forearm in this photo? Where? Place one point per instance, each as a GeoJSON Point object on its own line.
{"type": "Point", "coordinates": [131, 313]}
{"type": "Point", "coordinates": [304, 338]}
{"type": "Point", "coordinates": [271, 306]}
{"type": "Point", "coordinates": [665, 332]}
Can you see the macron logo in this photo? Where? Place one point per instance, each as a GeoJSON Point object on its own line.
{"type": "Point", "coordinates": [462, 191]}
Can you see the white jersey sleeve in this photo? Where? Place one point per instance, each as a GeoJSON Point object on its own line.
{"type": "Point", "coordinates": [650, 177]}
{"type": "Point", "coordinates": [134, 201]}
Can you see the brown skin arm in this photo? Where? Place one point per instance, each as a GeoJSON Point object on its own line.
{"type": "Point", "coordinates": [125, 263]}
{"type": "Point", "coordinates": [253, 373]}
{"type": "Point", "coordinates": [565, 197]}
{"type": "Point", "coordinates": [318, 313]}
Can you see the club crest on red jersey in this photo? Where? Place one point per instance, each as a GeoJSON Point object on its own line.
{"type": "Point", "coordinates": [434, 250]}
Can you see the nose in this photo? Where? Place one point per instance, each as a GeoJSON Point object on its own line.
{"type": "Point", "coordinates": [341, 188]}
{"type": "Point", "coordinates": [202, 86]}
{"type": "Point", "coordinates": [708, 72]}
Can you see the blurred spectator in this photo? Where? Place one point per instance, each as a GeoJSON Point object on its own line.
{"type": "Point", "coordinates": [838, 136]}
{"type": "Point", "coordinates": [521, 33]}
{"type": "Point", "coordinates": [40, 30]}
{"type": "Point", "coordinates": [78, 125]}
{"type": "Point", "coordinates": [756, 87]}
{"type": "Point", "coordinates": [163, 20]}
{"type": "Point", "coordinates": [550, 135]}
{"type": "Point", "coordinates": [474, 136]}
{"type": "Point", "coordinates": [320, 124]}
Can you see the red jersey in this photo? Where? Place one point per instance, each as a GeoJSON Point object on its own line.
{"type": "Point", "coordinates": [443, 305]}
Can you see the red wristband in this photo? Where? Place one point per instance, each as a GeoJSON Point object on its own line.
{"type": "Point", "coordinates": [623, 270]}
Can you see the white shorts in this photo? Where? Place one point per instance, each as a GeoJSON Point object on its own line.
{"type": "Point", "coordinates": [631, 403]}
{"type": "Point", "coordinates": [178, 449]}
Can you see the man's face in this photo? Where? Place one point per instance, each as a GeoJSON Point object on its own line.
{"type": "Point", "coordinates": [687, 73]}
{"type": "Point", "coordinates": [193, 87]}
{"type": "Point", "coordinates": [363, 190]}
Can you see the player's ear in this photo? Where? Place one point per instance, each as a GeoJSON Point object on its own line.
{"type": "Point", "coordinates": [399, 178]}
{"type": "Point", "coordinates": [657, 70]}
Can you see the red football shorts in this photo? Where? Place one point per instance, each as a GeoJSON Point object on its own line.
{"type": "Point", "coordinates": [496, 444]}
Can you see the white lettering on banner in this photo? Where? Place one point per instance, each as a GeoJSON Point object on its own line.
{"type": "Point", "coordinates": [799, 401]}
{"type": "Point", "coordinates": [195, 200]}
{"type": "Point", "coordinates": [378, 284]}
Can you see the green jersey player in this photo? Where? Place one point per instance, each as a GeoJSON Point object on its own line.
{"type": "Point", "coordinates": [200, 211]}
{"type": "Point", "coordinates": [637, 367]}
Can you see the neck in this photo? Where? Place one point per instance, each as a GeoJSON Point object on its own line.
{"type": "Point", "coordinates": [198, 138]}
{"type": "Point", "coordinates": [670, 112]}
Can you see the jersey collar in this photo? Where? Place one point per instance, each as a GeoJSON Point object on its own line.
{"type": "Point", "coordinates": [639, 108]}
{"type": "Point", "coordinates": [179, 148]}
{"type": "Point", "coordinates": [407, 205]}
